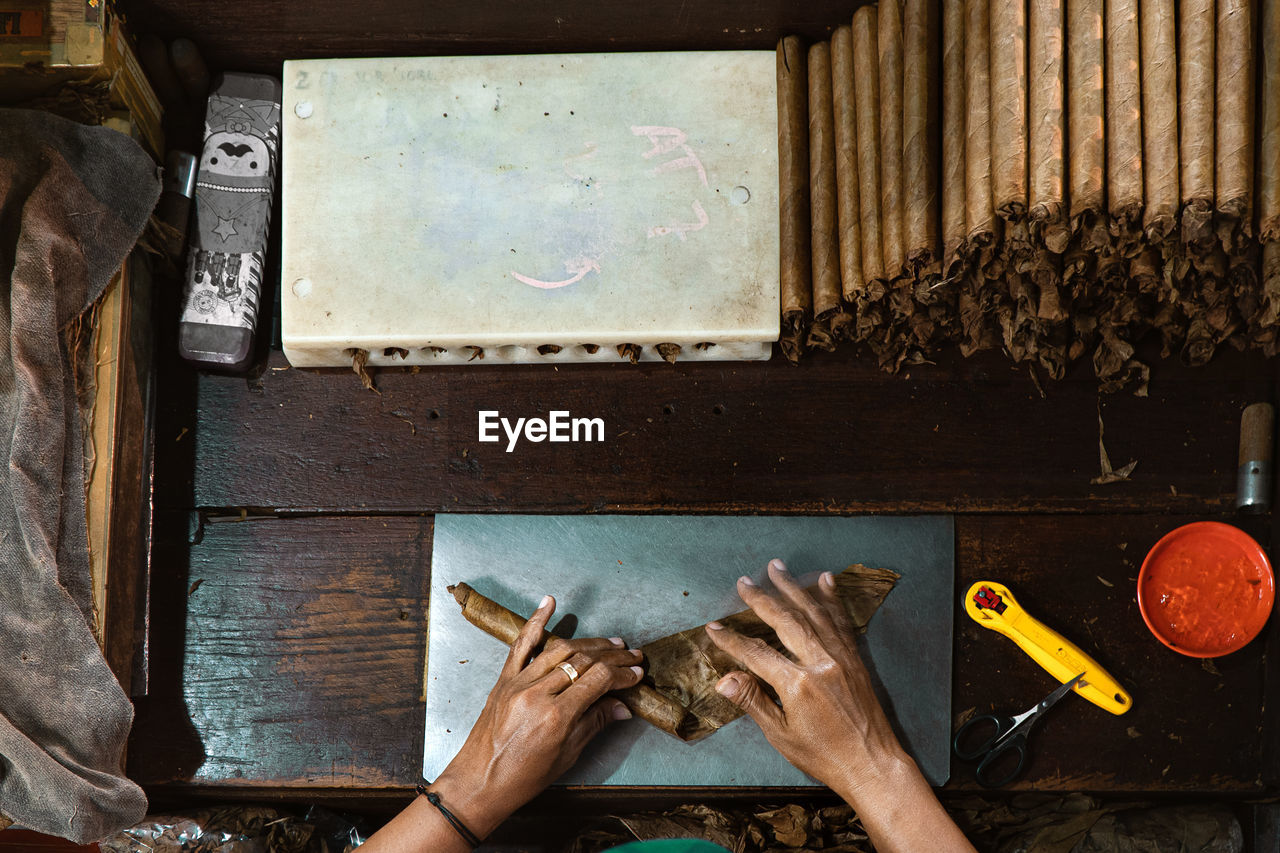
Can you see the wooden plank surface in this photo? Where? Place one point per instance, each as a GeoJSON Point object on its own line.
{"type": "Point", "coordinates": [289, 654]}
{"type": "Point", "coordinates": [1194, 726]}
{"type": "Point", "coordinates": [286, 652]}
{"type": "Point", "coordinates": [835, 434]}
{"type": "Point", "coordinates": [259, 34]}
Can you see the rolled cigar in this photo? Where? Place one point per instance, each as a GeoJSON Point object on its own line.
{"type": "Point", "coordinates": [1159, 118]}
{"type": "Point", "coordinates": [980, 216]}
{"type": "Point", "coordinates": [919, 160]}
{"type": "Point", "coordinates": [822, 184]}
{"type": "Point", "coordinates": [190, 69]}
{"type": "Point", "coordinates": [497, 621]}
{"type": "Point", "coordinates": [1233, 146]}
{"type": "Point", "coordinates": [1047, 145]}
{"type": "Point", "coordinates": [154, 56]}
{"type": "Point", "coordinates": [1268, 202]}
{"type": "Point", "coordinates": [793, 192]}
{"type": "Point", "coordinates": [1009, 108]}
{"type": "Point", "coordinates": [174, 206]}
{"type": "Point", "coordinates": [1124, 124]}
{"type": "Point", "coordinates": [1253, 465]}
{"type": "Point", "coordinates": [953, 136]}
{"type": "Point", "coordinates": [976, 293]}
{"type": "Point", "coordinates": [889, 42]}
{"type": "Point", "coordinates": [1085, 105]}
{"type": "Point", "coordinates": [1196, 25]}
{"type": "Point", "coordinates": [848, 201]}
{"type": "Point", "coordinates": [866, 95]}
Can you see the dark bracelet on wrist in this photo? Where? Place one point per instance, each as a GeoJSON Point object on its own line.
{"type": "Point", "coordinates": [468, 836]}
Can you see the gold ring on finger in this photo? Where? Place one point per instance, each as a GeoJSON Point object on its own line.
{"type": "Point", "coordinates": [569, 670]}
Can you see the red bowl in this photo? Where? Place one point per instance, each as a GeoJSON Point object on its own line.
{"type": "Point", "coordinates": [1206, 589]}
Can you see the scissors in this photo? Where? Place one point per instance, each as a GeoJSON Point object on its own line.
{"type": "Point", "coordinates": [1009, 738]}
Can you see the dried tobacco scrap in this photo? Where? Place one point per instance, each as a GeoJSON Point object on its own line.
{"type": "Point", "coordinates": [788, 829]}
{"type": "Point", "coordinates": [1197, 23]}
{"type": "Point", "coordinates": [1270, 298]}
{"type": "Point", "coordinates": [1159, 118]}
{"type": "Point", "coordinates": [360, 367]}
{"type": "Point", "coordinates": [824, 236]}
{"type": "Point", "coordinates": [1124, 125]}
{"type": "Point", "coordinates": [1233, 146]}
{"type": "Point", "coordinates": [848, 191]}
{"type": "Point", "coordinates": [793, 185]}
{"type": "Point", "coordinates": [821, 334]}
{"type": "Point", "coordinates": [1109, 474]}
{"type": "Point", "coordinates": [953, 137]}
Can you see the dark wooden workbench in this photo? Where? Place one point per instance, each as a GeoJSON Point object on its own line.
{"type": "Point", "coordinates": [294, 509]}
{"type": "Point", "coordinates": [294, 520]}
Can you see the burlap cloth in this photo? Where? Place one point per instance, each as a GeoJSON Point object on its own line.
{"type": "Point", "coordinates": [73, 200]}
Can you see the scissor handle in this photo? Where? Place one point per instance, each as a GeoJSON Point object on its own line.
{"type": "Point", "coordinates": [977, 739]}
{"type": "Point", "coordinates": [971, 743]}
{"type": "Point", "coordinates": [999, 756]}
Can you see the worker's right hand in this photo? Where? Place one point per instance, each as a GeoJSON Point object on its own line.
{"type": "Point", "coordinates": [536, 722]}
{"type": "Point", "coordinates": [829, 722]}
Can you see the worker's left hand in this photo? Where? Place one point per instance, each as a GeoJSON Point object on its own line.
{"type": "Point", "coordinates": [536, 722]}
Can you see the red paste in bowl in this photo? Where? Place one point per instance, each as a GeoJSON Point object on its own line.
{"type": "Point", "coordinates": [1206, 589]}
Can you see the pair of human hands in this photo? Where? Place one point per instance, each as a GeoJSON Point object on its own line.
{"type": "Point", "coordinates": [537, 720]}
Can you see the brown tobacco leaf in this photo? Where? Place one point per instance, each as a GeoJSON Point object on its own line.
{"type": "Point", "coordinates": [359, 365]}
{"type": "Point", "coordinates": [1109, 474]}
{"type": "Point", "coordinates": [687, 665]}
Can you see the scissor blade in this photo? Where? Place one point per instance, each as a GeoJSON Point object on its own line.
{"type": "Point", "coordinates": [1052, 699]}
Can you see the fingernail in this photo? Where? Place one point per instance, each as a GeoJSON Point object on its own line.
{"type": "Point", "coordinates": [546, 602]}
{"type": "Point", "coordinates": [620, 712]}
{"type": "Point", "coordinates": [828, 580]}
{"type": "Point", "coordinates": [746, 581]}
{"type": "Point", "coordinates": [637, 653]}
{"type": "Point", "coordinates": [617, 641]}
{"type": "Point", "coordinates": [638, 671]}
{"type": "Point", "coordinates": [728, 687]}
{"type": "Point", "coordinates": [777, 565]}
{"type": "Point", "coordinates": [715, 626]}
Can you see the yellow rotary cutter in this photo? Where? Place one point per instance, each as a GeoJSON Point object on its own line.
{"type": "Point", "coordinates": [991, 605]}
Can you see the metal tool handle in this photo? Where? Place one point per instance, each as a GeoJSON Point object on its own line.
{"type": "Point", "coordinates": [969, 746]}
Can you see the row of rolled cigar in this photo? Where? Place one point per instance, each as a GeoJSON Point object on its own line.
{"type": "Point", "coordinates": [1057, 179]}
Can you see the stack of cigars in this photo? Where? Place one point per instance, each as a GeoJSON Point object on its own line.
{"type": "Point", "coordinates": [1054, 178]}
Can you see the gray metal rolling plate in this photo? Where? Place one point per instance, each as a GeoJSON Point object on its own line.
{"type": "Point", "coordinates": [643, 577]}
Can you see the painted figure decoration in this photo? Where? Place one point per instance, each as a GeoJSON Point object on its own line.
{"type": "Point", "coordinates": [233, 197]}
